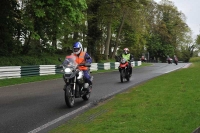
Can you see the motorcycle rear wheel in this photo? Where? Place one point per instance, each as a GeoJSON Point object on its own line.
{"type": "Point", "coordinates": [69, 97]}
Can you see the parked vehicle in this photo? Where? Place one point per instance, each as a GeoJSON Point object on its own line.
{"type": "Point", "coordinates": [75, 83]}
{"type": "Point", "coordinates": [124, 71]}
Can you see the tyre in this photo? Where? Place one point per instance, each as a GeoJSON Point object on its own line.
{"type": "Point", "coordinates": [122, 76]}
{"type": "Point", "coordinates": [69, 97]}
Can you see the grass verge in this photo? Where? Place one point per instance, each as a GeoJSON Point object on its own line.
{"type": "Point", "coordinates": [167, 104]}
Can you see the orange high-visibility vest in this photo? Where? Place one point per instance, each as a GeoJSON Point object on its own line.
{"type": "Point", "coordinates": [81, 60]}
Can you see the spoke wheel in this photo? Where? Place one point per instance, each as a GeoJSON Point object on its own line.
{"type": "Point", "coordinates": [69, 97]}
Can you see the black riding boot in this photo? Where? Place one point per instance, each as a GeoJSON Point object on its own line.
{"type": "Point", "coordinates": [130, 71]}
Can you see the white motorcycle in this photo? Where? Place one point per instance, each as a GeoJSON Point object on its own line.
{"type": "Point", "coordinates": [76, 85]}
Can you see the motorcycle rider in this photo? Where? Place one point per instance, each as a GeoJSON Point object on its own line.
{"type": "Point", "coordinates": [129, 57]}
{"type": "Point", "coordinates": [169, 60]}
{"type": "Point", "coordinates": [175, 58]}
{"type": "Point", "coordinates": [81, 58]}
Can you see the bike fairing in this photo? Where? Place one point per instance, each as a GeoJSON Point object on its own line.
{"type": "Point", "coordinates": [123, 63]}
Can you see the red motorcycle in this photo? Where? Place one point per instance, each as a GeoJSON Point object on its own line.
{"type": "Point", "coordinates": [124, 70]}
{"type": "Point", "coordinates": [169, 60]}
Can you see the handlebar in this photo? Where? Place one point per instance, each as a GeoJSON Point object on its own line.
{"type": "Point", "coordinates": [59, 66]}
{"type": "Point", "coordinates": [85, 64]}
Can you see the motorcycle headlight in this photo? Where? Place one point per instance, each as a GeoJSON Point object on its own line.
{"type": "Point", "coordinates": [68, 70]}
{"type": "Point", "coordinates": [123, 61]}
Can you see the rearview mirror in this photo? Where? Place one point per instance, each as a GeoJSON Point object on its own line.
{"type": "Point", "coordinates": [59, 59]}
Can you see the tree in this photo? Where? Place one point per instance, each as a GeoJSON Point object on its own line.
{"type": "Point", "coordinates": [170, 30]}
{"type": "Point", "coordinates": [48, 20]}
{"type": "Point", "coordinates": [9, 23]}
{"type": "Point", "coordinates": [197, 42]}
{"type": "Point", "coordinates": [94, 33]}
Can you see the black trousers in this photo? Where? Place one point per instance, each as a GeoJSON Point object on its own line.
{"type": "Point", "coordinates": [130, 68]}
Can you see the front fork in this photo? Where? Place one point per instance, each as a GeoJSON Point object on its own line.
{"type": "Point", "coordinates": [68, 83]}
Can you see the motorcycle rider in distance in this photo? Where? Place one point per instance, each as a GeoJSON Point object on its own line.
{"type": "Point", "coordinates": [175, 58]}
{"type": "Point", "coordinates": [81, 58]}
{"type": "Point", "coordinates": [129, 57]}
{"type": "Point", "coordinates": [169, 60]}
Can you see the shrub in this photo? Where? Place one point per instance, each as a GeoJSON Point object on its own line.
{"type": "Point", "coordinates": [194, 59]}
{"type": "Point", "coordinates": [30, 60]}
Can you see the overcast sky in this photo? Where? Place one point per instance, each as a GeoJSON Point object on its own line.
{"type": "Point", "coordinates": [191, 9]}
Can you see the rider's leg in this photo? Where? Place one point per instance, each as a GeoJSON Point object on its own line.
{"type": "Point", "coordinates": [130, 68]}
{"type": "Point", "coordinates": [89, 80]}
{"type": "Point", "coordinates": [88, 77]}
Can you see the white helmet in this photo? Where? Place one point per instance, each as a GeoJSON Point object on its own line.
{"type": "Point", "coordinates": [126, 50]}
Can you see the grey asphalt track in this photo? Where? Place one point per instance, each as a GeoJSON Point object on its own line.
{"type": "Point", "coordinates": [40, 106]}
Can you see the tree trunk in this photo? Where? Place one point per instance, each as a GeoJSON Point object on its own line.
{"type": "Point", "coordinates": [118, 36]}
{"type": "Point", "coordinates": [94, 34]}
{"type": "Point", "coordinates": [107, 45]}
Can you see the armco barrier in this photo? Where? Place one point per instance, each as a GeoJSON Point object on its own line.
{"type": "Point", "coordinates": [30, 71]}
{"type": "Point", "coordinates": [10, 72]}
{"type": "Point", "coordinates": [38, 70]}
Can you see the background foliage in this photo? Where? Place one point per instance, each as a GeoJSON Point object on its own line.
{"type": "Point", "coordinates": [36, 29]}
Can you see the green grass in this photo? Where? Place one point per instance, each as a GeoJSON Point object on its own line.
{"type": "Point", "coordinates": [167, 104]}
{"type": "Point", "coordinates": [14, 81]}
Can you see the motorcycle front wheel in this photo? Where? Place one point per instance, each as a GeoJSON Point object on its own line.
{"type": "Point", "coordinates": [122, 76]}
{"type": "Point", "coordinates": [69, 97]}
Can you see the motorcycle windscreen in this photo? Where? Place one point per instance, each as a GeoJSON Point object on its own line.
{"type": "Point", "coordinates": [70, 61]}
